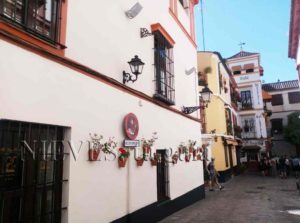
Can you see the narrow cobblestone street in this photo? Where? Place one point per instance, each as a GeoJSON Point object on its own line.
{"type": "Point", "coordinates": [246, 198]}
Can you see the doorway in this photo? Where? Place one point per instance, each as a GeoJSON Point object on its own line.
{"type": "Point", "coordinates": [162, 176]}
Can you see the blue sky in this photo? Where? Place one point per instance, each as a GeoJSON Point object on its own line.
{"type": "Point", "coordinates": [262, 24]}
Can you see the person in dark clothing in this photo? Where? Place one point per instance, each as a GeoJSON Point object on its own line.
{"type": "Point", "coordinates": [282, 168]}
{"type": "Point", "coordinates": [213, 175]}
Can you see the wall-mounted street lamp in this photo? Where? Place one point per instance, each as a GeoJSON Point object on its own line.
{"type": "Point", "coordinates": [205, 95]}
{"type": "Point", "coordinates": [136, 67]}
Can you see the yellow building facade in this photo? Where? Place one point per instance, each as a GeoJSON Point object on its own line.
{"type": "Point", "coordinates": [220, 120]}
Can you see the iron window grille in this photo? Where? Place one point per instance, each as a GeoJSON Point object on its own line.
{"type": "Point", "coordinates": [164, 69]}
{"type": "Point", "coordinates": [38, 17]}
{"type": "Point", "coordinates": [31, 185]}
{"type": "Point", "coordinates": [294, 97]}
{"type": "Point", "coordinates": [249, 128]}
{"type": "Point", "coordinates": [277, 99]}
{"type": "Point", "coordinates": [246, 100]}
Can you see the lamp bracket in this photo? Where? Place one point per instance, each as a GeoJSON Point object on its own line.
{"type": "Point", "coordinates": [145, 32]}
{"type": "Point", "coordinates": [189, 110]}
{"type": "Point", "coordinates": [128, 77]}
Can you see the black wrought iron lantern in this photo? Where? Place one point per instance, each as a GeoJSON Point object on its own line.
{"type": "Point", "coordinates": [206, 94]}
{"type": "Point", "coordinates": [136, 67]}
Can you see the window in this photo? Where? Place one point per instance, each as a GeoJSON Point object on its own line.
{"type": "Point", "coordinates": [31, 183]}
{"type": "Point", "coordinates": [164, 69]}
{"type": "Point", "coordinates": [38, 17]}
{"type": "Point", "coordinates": [277, 127]}
{"type": "Point", "coordinates": [236, 72]}
{"type": "Point", "coordinates": [248, 125]}
{"type": "Point", "coordinates": [250, 70]}
{"type": "Point", "coordinates": [277, 99]}
{"type": "Point", "coordinates": [246, 100]}
{"type": "Point", "coordinates": [294, 97]}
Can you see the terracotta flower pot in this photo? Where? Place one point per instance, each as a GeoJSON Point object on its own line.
{"type": "Point", "coordinates": [153, 162]}
{"type": "Point", "coordinates": [174, 159]}
{"type": "Point", "coordinates": [146, 148]}
{"type": "Point", "coordinates": [198, 157]}
{"type": "Point", "coordinates": [139, 162]}
{"type": "Point", "coordinates": [187, 158]}
{"type": "Point", "coordinates": [93, 154]}
{"type": "Point", "coordinates": [122, 162]}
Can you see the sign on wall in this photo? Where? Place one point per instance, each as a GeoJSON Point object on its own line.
{"type": "Point", "coordinates": [131, 126]}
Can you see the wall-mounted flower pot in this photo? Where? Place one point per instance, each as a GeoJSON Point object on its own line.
{"type": "Point", "coordinates": [139, 162]}
{"type": "Point", "coordinates": [153, 162]}
{"type": "Point", "coordinates": [174, 159]}
{"type": "Point", "coordinates": [122, 162]}
{"type": "Point", "coordinates": [93, 154]}
{"type": "Point", "coordinates": [187, 158]}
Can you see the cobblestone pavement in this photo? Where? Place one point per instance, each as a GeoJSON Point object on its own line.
{"type": "Point", "coordinates": [245, 199]}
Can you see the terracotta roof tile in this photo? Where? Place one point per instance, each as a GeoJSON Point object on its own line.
{"type": "Point", "coordinates": [242, 54]}
{"type": "Point", "coordinates": [283, 85]}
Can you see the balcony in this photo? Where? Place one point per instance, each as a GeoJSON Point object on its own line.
{"type": "Point", "coordinates": [246, 106]}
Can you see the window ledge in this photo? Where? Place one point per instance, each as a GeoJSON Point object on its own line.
{"type": "Point", "coordinates": [14, 30]}
{"type": "Point", "coordinates": [163, 99]}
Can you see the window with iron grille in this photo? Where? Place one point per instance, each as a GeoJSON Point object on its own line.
{"type": "Point", "coordinates": [164, 69]}
{"type": "Point", "coordinates": [294, 97]}
{"type": "Point", "coordinates": [31, 172]}
{"type": "Point", "coordinates": [38, 17]}
{"type": "Point", "coordinates": [277, 99]}
{"type": "Point", "coordinates": [249, 125]}
{"type": "Point", "coordinates": [246, 100]}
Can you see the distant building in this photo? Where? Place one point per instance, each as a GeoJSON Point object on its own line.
{"type": "Point", "coordinates": [285, 100]}
{"type": "Point", "coordinates": [220, 120]}
{"type": "Point", "coordinates": [247, 72]}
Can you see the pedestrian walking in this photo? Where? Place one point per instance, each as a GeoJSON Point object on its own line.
{"type": "Point", "coordinates": [213, 175]}
{"type": "Point", "coordinates": [296, 166]}
{"type": "Point", "coordinates": [287, 166]}
{"type": "Point", "coordinates": [282, 167]}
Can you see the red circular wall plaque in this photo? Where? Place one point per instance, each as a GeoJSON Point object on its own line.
{"type": "Point", "coordinates": [131, 126]}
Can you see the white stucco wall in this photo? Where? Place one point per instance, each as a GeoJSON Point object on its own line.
{"type": "Point", "coordinates": [105, 39]}
{"type": "Point", "coordinates": [39, 90]}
